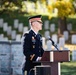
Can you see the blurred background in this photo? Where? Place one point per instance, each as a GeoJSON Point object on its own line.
{"type": "Point", "coordinates": [59, 22]}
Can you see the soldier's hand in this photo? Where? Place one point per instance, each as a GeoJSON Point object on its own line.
{"type": "Point", "coordinates": [32, 56]}
{"type": "Point", "coordinates": [38, 59]}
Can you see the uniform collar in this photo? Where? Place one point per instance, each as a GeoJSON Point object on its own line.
{"type": "Point", "coordinates": [34, 31]}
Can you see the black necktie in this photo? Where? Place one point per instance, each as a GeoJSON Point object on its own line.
{"type": "Point", "coordinates": [38, 36]}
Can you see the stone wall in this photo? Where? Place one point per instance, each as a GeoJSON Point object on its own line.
{"type": "Point", "coordinates": [11, 57]}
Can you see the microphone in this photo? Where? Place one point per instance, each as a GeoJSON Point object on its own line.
{"type": "Point", "coordinates": [53, 43]}
{"type": "Point", "coordinates": [49, 38]}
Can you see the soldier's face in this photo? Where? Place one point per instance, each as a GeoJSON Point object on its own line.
{"type": "Point", "coordinates": [38, 25]}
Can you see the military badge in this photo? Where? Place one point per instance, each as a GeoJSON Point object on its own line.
{"type": "Point", "coordinates": [33, 46]}
{"type": "Point", "coordinates": [33, 41]}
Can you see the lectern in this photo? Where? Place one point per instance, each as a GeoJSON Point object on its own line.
{"type": "Point", "coordinates": [53, 58]}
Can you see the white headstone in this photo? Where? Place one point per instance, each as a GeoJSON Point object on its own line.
{"type": "Point", "coordinates": [66, 35]}
{"type": "Point", "coordinates": [49, 45]}
{"type": "Point", "coordinates": [61, 42]}
{"type": "Point", "coordinates": [5, 38]}
{"type": "Point", "coordinates": [20, 27]}
{"type": "Point", "coordinates": [13, 35]}
{"type": "Point", "coordinates": [43, 43]}
{"type": "Point", "coordinates": [46, 34]}
{"type": "Point", "coordinates": [73, 39]}
{"type": "Point", "coordinates": [18, 37]}
{"type": "Point", "coordinates": [5, 26]}
{"type": "Point", "coordinates": [25, 29]}
{"type": "Point", "coordinates": [1, 22]}
{"type": "Point", "coordinates": [46, 24]}
{"type": "Point", "coordinates": [1, 37]}
{"type": "Point", "coordinates": [55, 38]}
{"type": "Point", "coordinates": [9, 30]}
{"type": "Point", "coordinates": [74, 55]}
{"type": "Point", "coordinates": [52, 27]}
{"type": "Point", "coordinates": [69, 26]}
{"type": "Point", "coordinates": [65, 48]}
{"type": "Point", "coordinates": [16, 22]}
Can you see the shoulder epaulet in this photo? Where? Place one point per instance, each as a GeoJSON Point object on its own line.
{"type": "Point", "coordinates": [26, 33]}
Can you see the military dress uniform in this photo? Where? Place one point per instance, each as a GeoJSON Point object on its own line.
{"type": "Point", "coordinates": [32, 49]}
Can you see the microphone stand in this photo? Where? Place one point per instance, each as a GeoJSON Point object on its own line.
{"type": "Point", "coordinates": [54, 44]}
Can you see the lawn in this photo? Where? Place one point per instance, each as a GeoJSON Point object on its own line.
{"type": "Point", "coordinates": [68, 68]}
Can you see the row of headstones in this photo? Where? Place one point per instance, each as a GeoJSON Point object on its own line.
{"type": "Point", "coordinates": [65, 35]}
{"type": "Point", "coordinates": [17, 25]}
{"type": "Point", "coordinates": [46, 34]}
{"type": "Point", "coordinates": [8, 29]}
{"type": "Point", "coordinates": [15, 37]}
{"type": "Point", "coordinates": [21, 28]}
{"type": "Point", "coordinates": [47, 44]}
{"type": "Point", "coordinates": [12, 33]}
{"type": "Point", "coordinates": [52, 26]}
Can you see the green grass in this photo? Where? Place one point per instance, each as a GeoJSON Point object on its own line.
{"type": "Point", "coordinates": [68, 68]}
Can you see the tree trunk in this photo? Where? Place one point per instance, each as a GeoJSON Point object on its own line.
{"type": "Point", "coordinates": [62, 26]}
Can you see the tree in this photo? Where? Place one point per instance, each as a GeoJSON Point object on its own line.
{"type": "Point", "coordinates": [10, 5]}
{"type": "Point", "coordinates": [65, 8]}
{"type": "Point", "coordinates": [74, 4]}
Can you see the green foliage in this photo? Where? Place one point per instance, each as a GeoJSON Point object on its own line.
{"type": "Point", "coordinates": [65, 8]}
{"type": "Point", "coordinates": [7, 6]}
{"type": "Point", "coordinates": [16, 2]}
{"type": "Point", "coordinates": [33, 0]}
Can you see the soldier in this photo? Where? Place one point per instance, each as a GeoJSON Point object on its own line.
{"type": "Point", "coordinates": [32, 45]}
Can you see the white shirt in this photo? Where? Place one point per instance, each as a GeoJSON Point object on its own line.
{"type": "Point", "coordinates": [34, 31]}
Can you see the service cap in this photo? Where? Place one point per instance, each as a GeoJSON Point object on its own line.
{"type": "Point", "coordinates": [35, 18]}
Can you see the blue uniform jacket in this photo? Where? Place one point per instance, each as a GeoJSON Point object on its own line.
{"type": "Point", "coordinates": [32, 48]}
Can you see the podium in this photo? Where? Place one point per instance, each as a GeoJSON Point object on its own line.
{"type": "Point", "coordinates": [53, 59]}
